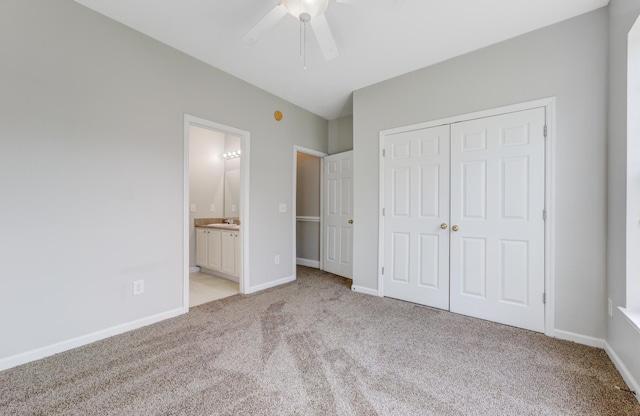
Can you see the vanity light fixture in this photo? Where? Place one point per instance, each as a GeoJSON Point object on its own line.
{"type": "Point", "coordinates": [232, 155]}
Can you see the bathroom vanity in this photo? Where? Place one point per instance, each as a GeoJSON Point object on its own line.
{"type": "Point", "coordinates": [218, 250]}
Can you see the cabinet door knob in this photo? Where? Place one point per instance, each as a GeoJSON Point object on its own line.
{"type": "Point", "coordinates": [350, 221]}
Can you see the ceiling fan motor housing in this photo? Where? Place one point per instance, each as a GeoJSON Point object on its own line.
{"type": "Point", "coordinates": [310, 8]}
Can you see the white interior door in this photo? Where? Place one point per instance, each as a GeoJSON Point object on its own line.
{"type": "Point", "coordinates": [338, 214]}
{"type": "Point", "coordinates": [497, 233]}
{"type": "Point", "coordinates": [416, 201]}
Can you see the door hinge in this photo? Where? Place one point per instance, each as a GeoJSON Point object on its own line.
{"type": "Point", "coordinates": [383, 212]}
{"type": "Point", "coordinates": [383, 270]}
{"type": "Point", "coordinates": [545, 131]}
{"type": "Point", "coordinates": [544, 298]}
{"type": "Point", "coordinates": [384, 153]}
{"type": "Point", "coordinates": [544, 214]}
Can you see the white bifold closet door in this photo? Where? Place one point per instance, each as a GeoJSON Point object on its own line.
{"type": "Point", "coordinates": [416, 203]}
{"type": "Point", "coordinates": [497, 205]}
{"type": "Point", "coordinates": [484, 181]}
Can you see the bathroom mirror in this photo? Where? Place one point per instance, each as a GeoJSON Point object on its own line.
{"type": "Point", "coordinates": [232, 179]}
{"type": "Point", "coordinates": [232, 193]}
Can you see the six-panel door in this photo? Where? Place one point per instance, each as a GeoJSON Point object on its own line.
{"type": "Point", "coordinates": [338, 214]}
{"type": "Point", "coordinates": [416, 200]}
{"type": "Point", "coordinates": [497, 204]}
{"type": "Point", "coordinates": [463, 224]}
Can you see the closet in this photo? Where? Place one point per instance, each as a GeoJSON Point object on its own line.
{"type": "Point", "coordinates": [463, 217]}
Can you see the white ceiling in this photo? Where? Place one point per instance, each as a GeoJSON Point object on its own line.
{"type": "Point", "coordinates": [375, 43]}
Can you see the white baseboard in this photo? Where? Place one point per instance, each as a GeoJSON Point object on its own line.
{"type": "Point", "coordinates": [365, 290]}
{"type": "Point", "coordinates": [59, 347]}
{"type": "Point", "coordinates": [194, 269]}
{"type": "Point", "coordinates": [309, 263]}
{"type": "Point", "coordinates": [580, 339]}
{"type": "Point", "coordinates": [622, 369]}
{"type": "Point", "coordinates": [258, 288]}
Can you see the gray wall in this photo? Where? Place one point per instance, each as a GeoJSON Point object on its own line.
{"type": "Point", "coordinates": [91, 161]}
{"type": "Point", "coordinates": [341, 135]}
{"type": "Point", "coordinates": [206, 178]}
{"type": "Point", "coordinates": [621, 337]}
{"type": "Point", "coordinates": [308, 205]}
{"type": "Point", "coordinates": [567, 60]}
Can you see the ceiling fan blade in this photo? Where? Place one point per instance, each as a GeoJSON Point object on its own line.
{"type": "Point", "coordinates": [266, 23]}
{"type": "Point", "coordinates": [324, 37]}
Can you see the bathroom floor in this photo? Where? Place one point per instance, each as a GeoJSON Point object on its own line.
{"type": "Point", "coordinates": [205, 288]}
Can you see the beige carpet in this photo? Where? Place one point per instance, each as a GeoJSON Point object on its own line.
{"type": "Point", "coordinates": [314, 347]}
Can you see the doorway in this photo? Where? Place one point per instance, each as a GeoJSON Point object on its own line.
{"type": "Point", "coordinates": [218, 156]}
{"type": "Point", "coordinates": [464, 208]}
{"type": "Point", "coordinates": [307, 197]}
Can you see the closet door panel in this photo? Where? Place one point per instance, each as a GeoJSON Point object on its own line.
{"type": "Point", "coordinates": [497, 202]}
{"type": "Point", "coordinates": [416, 201]}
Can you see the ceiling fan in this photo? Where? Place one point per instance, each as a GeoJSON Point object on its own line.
{"type": "Point", "coordinates": [308, 12]}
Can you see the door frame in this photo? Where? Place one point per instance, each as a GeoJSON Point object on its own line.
{"type": "Point", "coordinates": [300, 149]}
{"type": "Point", "coordinates": [549, 104]}
{"type": "Point", "coordinates": [245, 136]}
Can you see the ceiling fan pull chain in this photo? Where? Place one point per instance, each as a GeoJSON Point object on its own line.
{"type": "Point", "coordinates": [304, 19]}
{"type": "Point", "coordinates": [301, 37]}
{"type": "Point", "coordinates": [304, 54]}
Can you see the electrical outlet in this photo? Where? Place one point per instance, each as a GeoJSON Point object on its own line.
{"type": "Point", "coordinates": [138, 287]}
{"type": "Point", "coordinates": [212, 208]}
{"type": "Point", "coordinates": [277, 259]}
{"type": "Point", "coordinates": [193, 207]}
{"type": "Point", "coordinates": [610, 308]}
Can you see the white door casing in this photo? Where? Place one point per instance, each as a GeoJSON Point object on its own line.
{"type": "Point", "coordinates": [497, 205]}
{"type": "Point", "coordinates": [338, 214]}
{"type": "Point", "coordinates": [416, 200]}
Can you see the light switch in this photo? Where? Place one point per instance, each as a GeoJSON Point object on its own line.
{"type": "Point", "coordinates": [283, 207]}
{"type": "Point", "coordinates": [212, 208]}
{"type": "Point", "coordinates": [233, 208]}
{"type": "Point", "coordinates": [193, 207]}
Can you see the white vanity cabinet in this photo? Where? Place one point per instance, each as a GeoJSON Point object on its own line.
{"type": "Point", "coordinates": [218, 250]}
{"type": "Point", "coordinates": [208, 248]}
{"type": "Point", "coordinates": [229, 253]}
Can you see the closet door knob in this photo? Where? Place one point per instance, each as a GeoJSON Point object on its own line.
{"type": "Point", "coordinates": [350, 221]}
{"type": "Point", "coordinates": [455, 228]}
{"type": "Point", "coordinates": [443, 226]}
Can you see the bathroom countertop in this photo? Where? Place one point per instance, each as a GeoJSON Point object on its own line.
{"type": "Point", "coordinates": [222, 226]}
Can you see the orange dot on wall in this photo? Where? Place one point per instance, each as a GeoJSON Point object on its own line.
{"type": "Point", "coordinates": [277, 115]}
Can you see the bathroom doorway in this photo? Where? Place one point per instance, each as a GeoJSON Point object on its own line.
{"type": "Point", "coordinates": [215, 211]}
